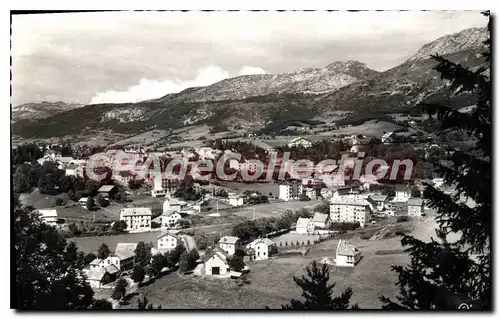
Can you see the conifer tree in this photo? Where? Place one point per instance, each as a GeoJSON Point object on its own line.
{"type": "Point", "coordinates": [444, 272]}
{"type": "Point", "coordinates": [317, 293]}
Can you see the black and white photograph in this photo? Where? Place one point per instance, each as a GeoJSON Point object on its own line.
{"type": "Point", "coordinates": [274, 160]}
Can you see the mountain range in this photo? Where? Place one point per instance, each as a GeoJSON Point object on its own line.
{"type": "Point", "coordinates": [256, 101]}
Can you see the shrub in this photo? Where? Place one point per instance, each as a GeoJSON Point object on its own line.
{"type": "Point", "coordinates": [401, 219]}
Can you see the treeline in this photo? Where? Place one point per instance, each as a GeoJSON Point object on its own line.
{"type": "Point", "coordinates": [253, 229]}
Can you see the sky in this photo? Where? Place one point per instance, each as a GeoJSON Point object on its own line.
{"type": "Point", "coordinates": [114, 57]}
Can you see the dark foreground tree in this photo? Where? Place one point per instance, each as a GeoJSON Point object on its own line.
{"type": "Point", "coordinates": [446, 271]}
{"type": "Point", "coordinates": [120, 289]}
{"type": "Point", "coordinates": [138, 274]}
{"type": "Point", "coordinates": [103, 251]}
{"type": "Point", "coordinates": [102, 304]}
{"type": "Point", "coordinates": [48, 270]}
{"type": "Point", "coordinates": [317, 293]}
{"type": "Point", "coordinates": [144, 304]}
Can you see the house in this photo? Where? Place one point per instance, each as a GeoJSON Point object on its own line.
{"type": "Point", "coordinates": [107, 190]}
{"type": "Point", "coordinates": [83, 202]}
{"type": "Point", "coordinates": [346, 255]}
{"type": "Point", "coordinates": [402, 193]}
{"type": "Point", "coordinates": [124, 177]}
{"type": "Point", "coordinates": [310, 192]}
{"type": "Point", "coordinates": [74, 170]}
{"type": "Point", "coordinates": [378, 201]}
{"type": "Point", "coordinates": [48, 216]}
{"type": "Point", "coordinates": [235, 200]}
{"type": "Point", "coordinates": [167, 242]}
{"type": "Point", "coordinates": [438, 182]}
{"type": "Point", "coordinates": [321, 220]}
{"type": "Point", "coordinates": [261, 248]}
{"type": "Point", "coordinates": [168, 219]}
{"type": "Point", "coordinates": [216, 262]}
{"type": "Point", "coordinates": [415, 207]}
{"type": "Point", "coordinates": [290, 191]}
{"type": "Point", "coordinates": [101, 276]}
{"type": "Point", "coordinates": [299, 142]}
{"type": "Point", "coordinates": [229, 244]}
{"type": "Point", "coordinates": [304, 226]}
{"type": "Point", "coordinates": [138, 219]}
{"type": "Point", "coordinates": [350, 210]}
{"type": "Point", "coordinates": [122, 259]}
{"type": "Point", "coordinates": [387, 137]}
{"type": "Point", "coordinates": [173, 204]}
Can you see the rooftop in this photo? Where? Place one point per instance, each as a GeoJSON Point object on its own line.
{"type": "Point", "coordinates": [345, 249]}
{"type": "Point", "coordinates": [415, 202]}
{"type": "Point", "coordinates": [106, 188]}
{"type": "Point", "coordinates": [401, 188]}
{"type": "Point", "coordinates": [320, 218]}
{"type": "Point", "coordinates": [47, 213]}
{"type": "Point", "coordinates": [303, 222]}
{"type": "Point", "coordinates": [136, 211]}
{"type": "Point", "coordinates": [229, 240]}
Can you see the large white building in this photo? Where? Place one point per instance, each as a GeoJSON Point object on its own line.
{"type": "Point", "coordinates": [48, 216]}
{"type": "Point", "coordinates": [167, 242]}
{"type": "Point", "coordinates": [138, 219]}
{"type": "Point", "coordinates": [350, 211]}
{"type": "Point", "coordinates": [261, 248]}
{"type": "Point", "coordinates": [304, 226]}
{"type": "Point", "coordinates": [216, 262]}
{"type": "Point", "coordinates": [290, 191]}
{"type": "Point", "coordinates": [230, 244]}
{"type": "Point", "coordinates": [415, 207]}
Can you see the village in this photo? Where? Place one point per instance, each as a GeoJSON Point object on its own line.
{"type": "Point", "coordinates": [165, 229]}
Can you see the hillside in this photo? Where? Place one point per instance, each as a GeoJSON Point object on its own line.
{"type": "Point", "coordinates": [36, 111]}
{"type": "Point", "coordinates": [253, 102]}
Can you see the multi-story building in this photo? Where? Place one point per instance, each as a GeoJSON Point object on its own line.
{"type": "Point", "coordinates": [138, 219]}
{"type": "Point", "coordinates": [402, 193]}
{"type": "Point", "coordinates": [350, 210]}
{"type": "Point", "coordinates": [290, 191]}
{"type": "Point", "coordinates": [415, 207]}
{"type": "Point", "coordinates": [230, 244]}
{"type": "Point", "coordinates": [167, 242]}
{"type": "Point", "coordinates": [299, 142]}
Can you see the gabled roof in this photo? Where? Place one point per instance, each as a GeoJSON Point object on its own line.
{"type": "Point", "coordinates": [96, 274]}
{"type": "Point", "coordinates": [124, 254]}
{"type": "Point", "coordinates": [111, 269]}
{"type": "Point", "coordinates": [229, 240]}
{"type": "Point", "coordinates": [95, 261]}
{"type": "Point", "coordinates": [136, 211]}
{"type": "Point", "coordinates": [401, 188]}
{"type": "Point", "coordinates": [343, 248]}
{"type": "Point", "coordinates": [216, 251]}
{"type": "Point", "coordinates": [106, 188]}
{"type": "Point", "coordinates": [303, 222]}
{"type": "Point", "coordinates": [378, 198]}
{"type": "Point", "coordinates": [71, 166]}
{"type": "Point", "coordinates": [47, 213]}
{"type": "Point", "coordinates": [298, 139]}
{"type": "Point", "coordinates": [320, 218]}
{"type": "Point", "coordinates": [168, 234]}
{"type": "Point", "coordinates": [170, 212]}
{"type": "Point", "coordinates": [266, 241]}
{"type": "Point", "coordinates": [415, 202]}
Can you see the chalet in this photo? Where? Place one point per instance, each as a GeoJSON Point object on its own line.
{"type": "Point", "coordinates": [123, 259]}
{"type": "Point", "coordinates": [101, 276]}
{"type": "Point", "coordinates": [216, 262]}
{"type": "Point", "coordinates": [167, 242]}
{"type": "Point", "coordinates": [347, 255]}
{"type": "Point", "coordinates": [235, 200]}
{"type": "Point", "coordinates": [48, 216]}
{"type": "Point", "coordinates": [402, 193]}
{"type": "Point", "coordinates": [261, 248]}
{"type": "Point", "coordinates": [299, 142]}
{"type": "Point", "coordinates": [304, 226]}
{"type": "Point", "coordinates": [415, 207]}
{"type": "Point", "coordinates": [83, 202]}
{"type": "Point", "coordinates": [107, 191]}
{"type": "Point", "coordinates": [168, 219]}
{"type": "Point", "coordinates": [378, 201]}
{"type": "Point", "coordinates": [74, 170]}
{"type": "Point", "coordinates": [230, 244]}
{"type": "Point", "coordinates": [321, 220]}
{"type": "Point", "coordinates": [138, 219]}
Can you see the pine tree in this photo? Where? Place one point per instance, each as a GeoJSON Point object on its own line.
{"type": "Point", "coordinates": [103, 251]}
{"type": "Point", "coordinates": [49, 270]}
{"type": "Point", "coordinates": [443, 273]}
{"type": "Point", "coordinates": [317, 293]}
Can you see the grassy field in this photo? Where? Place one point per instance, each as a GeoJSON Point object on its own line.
{"type": "Point", "coordinates": [270, 282]}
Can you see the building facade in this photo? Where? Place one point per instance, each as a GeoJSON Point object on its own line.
{"type": "Point", "coordinates": [138, 219]}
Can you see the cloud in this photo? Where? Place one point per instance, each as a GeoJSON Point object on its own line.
{"type": "Point", "coordinates": [247, 70]}
{"type": "Point", "coordinates": [152, 89]}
